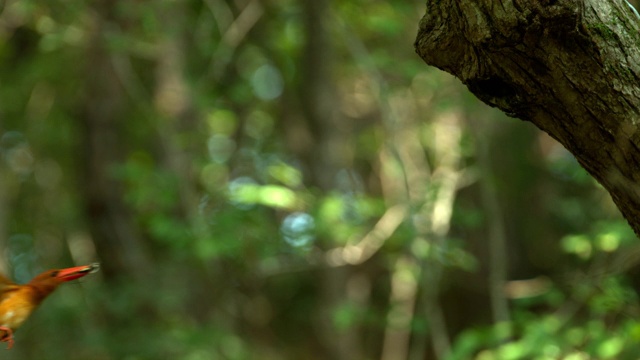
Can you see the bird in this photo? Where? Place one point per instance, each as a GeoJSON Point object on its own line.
{"type": "Point", "coordinates": [17, 302]}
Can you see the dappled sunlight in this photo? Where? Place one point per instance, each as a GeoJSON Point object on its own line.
{"type": "Point", "coordinates": [298, 229]}
{"type": "Point", "coordinates": [289, 180]}
{"type": "Point", "coordinates": [267, 82]}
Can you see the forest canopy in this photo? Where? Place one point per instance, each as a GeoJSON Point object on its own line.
{"type": "Point", "coordinates": [289, 180]}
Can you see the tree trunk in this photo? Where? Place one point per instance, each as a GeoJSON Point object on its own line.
{"type": "Point", "coordinates": [112, 227]}
{"type": "Point", "coordinates": [570, 67]}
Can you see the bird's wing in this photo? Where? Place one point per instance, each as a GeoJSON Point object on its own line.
{"type": "Point", "coordinates": [6, 287]}
{"type": "Point", "coordinates": [4, 281]}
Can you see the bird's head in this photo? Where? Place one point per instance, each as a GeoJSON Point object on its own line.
{"type": "Point", "coordinates": [52, 278]}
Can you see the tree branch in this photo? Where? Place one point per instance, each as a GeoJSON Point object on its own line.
{"type": "Point", "coordinates": [570, 67]}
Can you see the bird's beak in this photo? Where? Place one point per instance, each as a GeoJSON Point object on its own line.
{"type": "Point", "coordinates": [77, 272]}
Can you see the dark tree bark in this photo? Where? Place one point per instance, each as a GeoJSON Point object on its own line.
{"type": "Point", "coordinates": [571, 67]}
{"type": "Point", "coordinates": [324, 159]}
{"type": "Point", "coordinates": [117, 239]}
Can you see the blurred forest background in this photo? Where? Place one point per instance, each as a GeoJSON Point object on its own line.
{"type": "Point", "coordinates": [287, 180]}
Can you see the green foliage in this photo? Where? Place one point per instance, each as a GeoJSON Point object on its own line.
{"type": "Point", "coordinates": [249, 205]}
{"type": "Point", "coordinates": [606, 237]}
{"type": "Point", "coordinates": [593, 317]}
{"type": "Point", "coordinates": [565, 334]}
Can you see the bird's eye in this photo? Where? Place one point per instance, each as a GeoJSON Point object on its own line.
{"type": "Point", "coordinates": [54, 273]}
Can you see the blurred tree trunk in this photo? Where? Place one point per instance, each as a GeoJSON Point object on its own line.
{"type": "Point", "coordinates": [570, 67]}
{"type": "Point", "coordinates": [325, 158]}
{"type": "Point", "coordinates": [179, 121]}
{"type": "Point", "coordinates": [112, 227]}
{"type": "Point", "coordinates": [6, 189]}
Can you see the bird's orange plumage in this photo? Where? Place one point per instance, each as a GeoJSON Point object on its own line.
{"type": "Point", "coordinates": [18, 301]}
